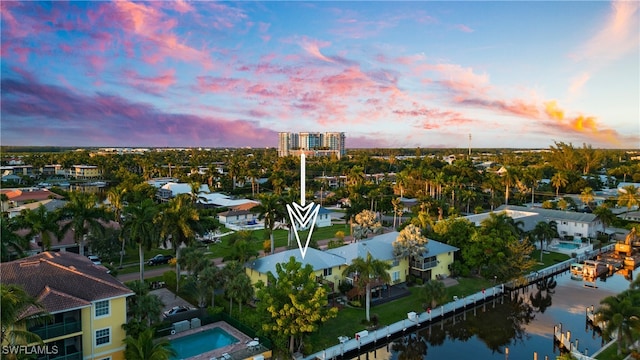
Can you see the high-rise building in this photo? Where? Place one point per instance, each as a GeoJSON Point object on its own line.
{"type": "Point", "coordinates": [312, 143]}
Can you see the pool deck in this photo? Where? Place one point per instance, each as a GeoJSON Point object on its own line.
{"type": "Point", "coordinates": [217, 353]}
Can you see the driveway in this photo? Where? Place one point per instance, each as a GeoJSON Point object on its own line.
{"type": "Point", "coordinates": [169, 299]}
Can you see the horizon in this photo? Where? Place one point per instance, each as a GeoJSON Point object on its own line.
{"type": "Point", "coordinates": [396, 75]}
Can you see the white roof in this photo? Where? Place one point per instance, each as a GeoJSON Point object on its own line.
{"type": "Point", "coordinates": [217, 199]}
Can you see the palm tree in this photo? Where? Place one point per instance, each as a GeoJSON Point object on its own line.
{"type": "Point", "coordinates": [83, 216]}
{"type": "Point", "coordinates": [210, 280]}
{"type": "Point", "coordinates": [620, 313]}
{"type": "Point", "coordinates": [194, 194]}
{"type": "Point", "coordinates": [587, 196]}
{"type": "Point", "coordinates": [144, 347]}
{"type": "Point", "coordinates": [366, 272]}
{"type": "Point", "coordinates": [629, 196]}
{"type": "Point", "coordinates": [559, 180]}
{"type": "Point", "coordinates": [434, 293]}
{"type": "Point", "coordinates": [11, 244]}
{"type": "Point", "coordinates": [270, 210]}
{"type": "Point", "coordinates": [4, 201]}
{"type": "Point", "coordinates": [143, 308]}
{"type": "Point", "coordinates": [545, 231]}
{"type": "Point", "coordinates": [15, 302]}
{"type": "Point", "coordinates": [140, 226]}
{"type": "Point", "coordinates": [509, 178]}
{"type": "Point", "coordinates": [41, 223]}
{"type": "Point", "coordinates": [238, 288]}
{"type": "Point", "coordinates": [179, 221]}
{"type": "Point", "coordinates": [605, 215]}
{"type": "Point", "coordinates": [115, 195]}
{"type": "Point", "coordinates": [534, 175]}
{"type": "Point", "coordinates": [396, 207]}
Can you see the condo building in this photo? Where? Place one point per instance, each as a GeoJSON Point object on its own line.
{"type": "Point", "coordinates": [312, 144]}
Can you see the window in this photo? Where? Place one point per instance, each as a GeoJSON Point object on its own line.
{"type": "Point", "coordinates": [395, 263]}
{"type": "Point", "coordinates": [395, 276]}
{"type": "Point", "coordinates": [327, 272]}
{"type": "Point", "coordinates": [103, 336]}
{"type": "Point", "coordinates": [102, 308]}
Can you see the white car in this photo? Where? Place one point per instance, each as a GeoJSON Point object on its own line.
{"type": "Point", "coordinates": [94, 259]}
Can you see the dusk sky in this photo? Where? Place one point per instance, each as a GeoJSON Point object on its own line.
{"type": "Point", "coordinates": [388, 74]}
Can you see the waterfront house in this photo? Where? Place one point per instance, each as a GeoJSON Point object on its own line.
{"type": "Point", "coordinates": [87, 305]}
{"type": "Point", "coordinates": [326, 266]}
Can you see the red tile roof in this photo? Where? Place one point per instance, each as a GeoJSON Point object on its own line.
{"type": "Point", "coordinates": [62, 280]}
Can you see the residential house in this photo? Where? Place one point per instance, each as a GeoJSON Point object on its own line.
{"type": "Point", "coordinates": [329, 265]}
{"type": "Point", "coordinates": [49, 204]}
{"type": "Point", "coordinates": [237, 217]}
{"type": "Point", "coordinates": [21, 196]}
{"type": "Point", "coordinates": [324, 218]}
{"type": "Point", "coordinates": [326, 266]}
{"type": "Point", "coordinates": [85, 172]}
{"type": "Point", "coordinates": [381, 248]}
{"type": "Point", "coordinates": [571, 225]}
{"type": "Point", "coordinates": [435, 262]}
{"type": "Point", "coordinates": [87, 305]}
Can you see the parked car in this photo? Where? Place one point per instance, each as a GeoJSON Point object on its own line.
{"type": "Point", "coordinates": [159, 259]}
{"type": "Point", "coordinates": [94, 259]}
{"type": "Point", "coordinates": [175, 310]}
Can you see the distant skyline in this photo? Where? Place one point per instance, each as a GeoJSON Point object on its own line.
{"type": "Point", "coordinates": [388, 74]}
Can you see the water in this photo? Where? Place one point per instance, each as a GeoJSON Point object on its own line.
{"type": "Point", "coordinates": [201, 342]}
{"type": "Point", "coordinates": [523, 325]}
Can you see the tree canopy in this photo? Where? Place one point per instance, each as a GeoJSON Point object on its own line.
{"type": "Point", "coordinates": [294, 303]}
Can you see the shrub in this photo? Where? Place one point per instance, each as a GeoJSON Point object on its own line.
{"type": "Point", "coordinates": [344, 287]}
{"type": "Point", "coordinates": [419, 281]}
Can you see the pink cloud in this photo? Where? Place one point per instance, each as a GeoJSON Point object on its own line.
{"type": "Point", "coordinates": [114, 121]}
{"type": "Point", "coordinates": [312, 47]}
{"type": "Point", "coordinates": [618, 36]}
{"type": "Point", "coordinates": [464, 28]}
{"type": "Point", "coordinates": [151, 84]}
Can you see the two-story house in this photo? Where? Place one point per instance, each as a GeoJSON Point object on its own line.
{"type": "Point", "coordinates": [571, 225]}
{"type": "Point", "coordinates": [87, 305]}
{"type": "Point", "coordinates": [326, 266]}
{"type": "Point", "coordinates": [329, 265]}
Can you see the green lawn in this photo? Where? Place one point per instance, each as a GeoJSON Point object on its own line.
{"type": "Point", "coordinates": [350, 320]}
{"type": "Point", "coordinates": [549, 259]}
{"type": "Point", "coordinates": [610, 353]}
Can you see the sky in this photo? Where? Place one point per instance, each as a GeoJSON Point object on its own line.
{"type": "Point", "coordinates": [511, 74]}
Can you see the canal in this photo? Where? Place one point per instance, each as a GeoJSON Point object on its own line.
{"type": "Point", "coordinates": [514, 327]}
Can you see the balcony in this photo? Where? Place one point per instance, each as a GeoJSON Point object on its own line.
{"type": "Point", "coordinates": [423, 265]}
{"type": "Point", "coordinates": [73, 356]}
{"type": "Point", "coordinates": [57, 329]}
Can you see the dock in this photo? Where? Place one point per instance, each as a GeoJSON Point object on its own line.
{"type": "Point", "coordinates": [348, 347]}
{"type": "Point", "coordinates": [565, 343]}
{"type": "Point", "coordinates": [365, 340]}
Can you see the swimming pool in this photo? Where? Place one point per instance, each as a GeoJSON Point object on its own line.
{"type": "Point", "coordinates": [569, 245]}
{"type": "Point", "coordinates": [201, 342]}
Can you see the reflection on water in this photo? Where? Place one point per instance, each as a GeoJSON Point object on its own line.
{"type": "Point", "coordinates": [512, 328]}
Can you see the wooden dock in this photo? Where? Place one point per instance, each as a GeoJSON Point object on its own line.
{"type": "Point", "coordinates": [566, 343]}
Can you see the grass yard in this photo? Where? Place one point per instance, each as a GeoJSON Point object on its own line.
{"type": "Point", "coordinates": [549, 259]}
{"type": "Point", "coordinates": [350, 320]}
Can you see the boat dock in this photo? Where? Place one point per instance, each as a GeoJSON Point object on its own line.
{"type": "Point", "coordinates": [565, 342]}
{"type": "Point", "coordinates": [365, 340]}
{"type": "Point", "coordinates": [348, 347]}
